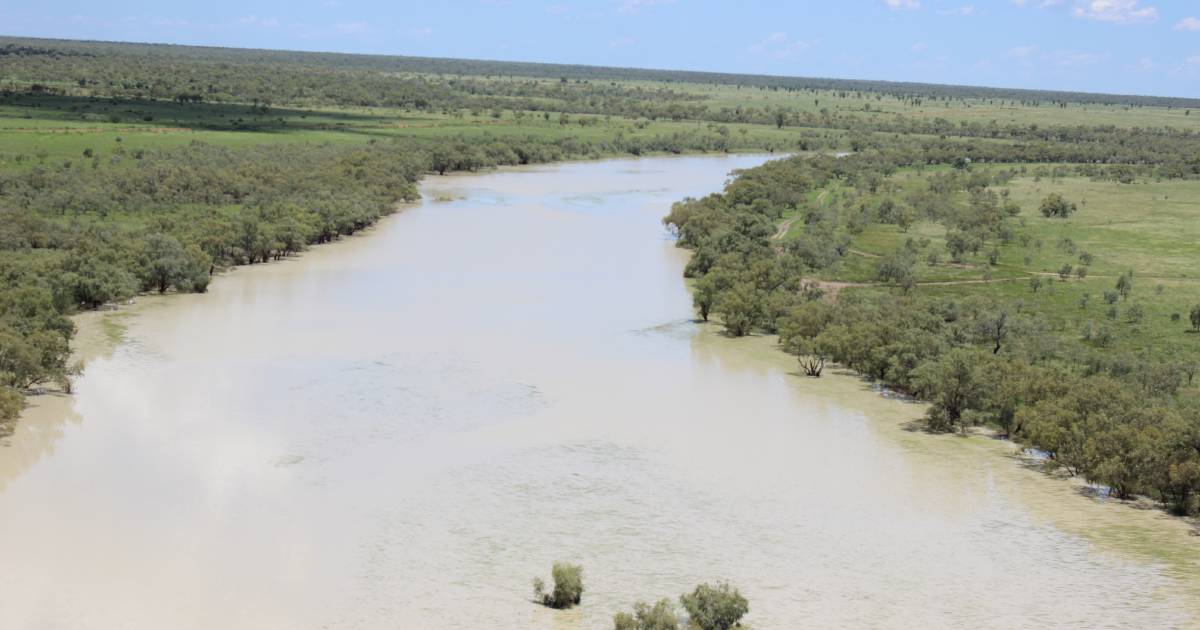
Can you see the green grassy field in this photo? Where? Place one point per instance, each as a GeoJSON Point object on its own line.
{"type": "Point", "coordinates": [35, 129]}
{"type": "Point", "coordinates": [1151, 228]}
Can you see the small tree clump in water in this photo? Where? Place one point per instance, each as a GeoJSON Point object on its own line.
{"type": "Point", "coordinates": [568, 586]}
{"type": "Point", "coordinates": [718, 607]}
{"type": "Point", "coordinates": [660, 616]}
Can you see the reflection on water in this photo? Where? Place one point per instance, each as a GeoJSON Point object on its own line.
{"type": "Point", "coordinates": [401, 429]}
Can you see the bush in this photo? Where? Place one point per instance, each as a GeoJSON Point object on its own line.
{"type": "Point", "coordinates": [1055, 206]}
{"type": "Point", "coordinates": [717, 607]}
{"type": "Point", "coordinates": [568, 586]}
{"type": "Point", "coordinates": [11, 403]}
{"type": "Point", "coordinates": [661, 616]}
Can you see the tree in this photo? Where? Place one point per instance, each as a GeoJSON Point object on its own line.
{"type": "Point", "coordinates": [897, 268]}
{"type": "Point", "coordinates": [1013, 384]}
{"type": "Point", "coordinates": [1125, 285]}
{"type": "Point", "coordinates": [1056, 206]}
{"type": "Point", "coordinates": [1195, 317]}
{"type": "Point", "coordinates": [1136, 313]}
{"type": "Point", "coordinates": [995, 328]}
{"type": "Point", "coordinates": [905, 217]}
{"type": "Point", "coordinates": [29, 359]}
{"type": "Point", "coordinates": [660, 616]}
{"type": "Point", "coordinates": [705, 293]}
{"type": "Point", "coordinates": [805, 321]}
{"type": "Point", "coordinates": [165, 264]}
{"type": "Point", "coordinates": [11, 404]}
{"type": "Point", "coordinates": [812, 356]}
{"type": "Point", "coordinates": [740, 309]}
{"type": "Point", "coordinates": [718, 607]}
{"type": "Point", "coordinates": [94, 275]}
{"type": "Point", "coordinates": [1064, 272]}
{"type": "Point", "coordinates": [1035, 282]}
{"type": "Point", "coordinates": [442, 157]}
{"type": "Point", "coordinates": [1065, 423]}
{"type": "Point", "coordinates": [952, 384]}
{"type": "Point", "coordinates": [568, 586]}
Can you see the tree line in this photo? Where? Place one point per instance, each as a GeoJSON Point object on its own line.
{"type": "Point", "coordinates": [101, 228]}
{"type": "Point", "coordinates": [1127, 420]}
{"type": "Point", "coordinates": [393, 64]}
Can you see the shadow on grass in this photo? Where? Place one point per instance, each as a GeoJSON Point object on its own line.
{"type": "Point", "coordinates": [151, 114]}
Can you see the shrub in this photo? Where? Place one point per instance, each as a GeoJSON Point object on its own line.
{"type": "Point", "coordinates": [717, 607]}
{"type": "Point", "coordinates": [11, 403]}
{"type": "Point", "coordinates": [568, 586]}
{"type": "Point", "coordinates": [1055, 206]}
{"type": "Point", "coordinates": [660, 616]}
{"type": "Point", "coordinates": [1136, 313]}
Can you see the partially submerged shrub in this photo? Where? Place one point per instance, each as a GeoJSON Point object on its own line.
{"type": "Point", "coordinates": [568, 586]}
{"type": "Point", "coordinates": [11, 403]}
{"type": "Point", "coordinates": [660, 616]}
{"type": "Point", "coordinates": [718, 607]}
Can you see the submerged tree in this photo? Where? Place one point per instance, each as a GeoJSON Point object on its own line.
{"type": "Point", "coordinates": [568, 586]}
{"type": "Point", "coordinates": [660, 616]}
{"type": "Point", "coordinates": [952, 384]}
{"type": "Point", "coordinates": [812, 355]}
{"type": "Point", "coordinates": [715, 607]}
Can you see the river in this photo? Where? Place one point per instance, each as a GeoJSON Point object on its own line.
{"type": "Point", "coordinates": [400, 429]}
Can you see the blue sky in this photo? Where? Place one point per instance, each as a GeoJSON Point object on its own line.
{"type": "Point", "coordinates": [1124, 46]}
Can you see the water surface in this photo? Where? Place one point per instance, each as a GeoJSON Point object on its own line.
{"type": "Point", "coordinates": [401, 429]}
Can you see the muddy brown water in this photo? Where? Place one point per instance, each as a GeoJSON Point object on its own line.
{"type": "Point", "coordinates": [401, 429]}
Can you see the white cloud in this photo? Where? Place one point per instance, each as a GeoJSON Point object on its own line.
{"type": "Point", "coordinates": [1194, 60]}
{"type": "Point", "coordinates": [1117, 11]}
{"type": "Point", "coordinates": [622, 42]}
{"type": "Point", "coordinates": [896, 5]}
{"type": "Point", "coordinates": [1044, 4]}
{"type": "Point", "coordinates": [779, 45]}
{"type": "Point", "coordinates": [920, 46]}
{"type": "Point", "coordinates": [253, 20]}
{"type": "Point", "coordinates": [1022, 52]}
{"type": "Point", "coordinates": [418, 32]}
{"type": "Point", "coordinates": [966, 9]}
{"type": "Point", "coordinates": [635, 6]}
{"type": "Point", "coordinates": [1188, 24]}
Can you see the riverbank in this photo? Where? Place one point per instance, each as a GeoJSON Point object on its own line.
{"type": "Point", "coordinates": [268, 239]}
{"type": "Point", "coordinates": [399, 428]}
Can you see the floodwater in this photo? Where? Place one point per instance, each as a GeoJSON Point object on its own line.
{"type": "Point", "coordinates": [401, 429]}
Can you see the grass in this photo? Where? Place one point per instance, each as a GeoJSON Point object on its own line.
{"type": "Point", "coordinates": [1149, 227]}
{"type": "Point", "coordinates": [38, 129]}
{"type": "Point", "coordinates": [967, 110]}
